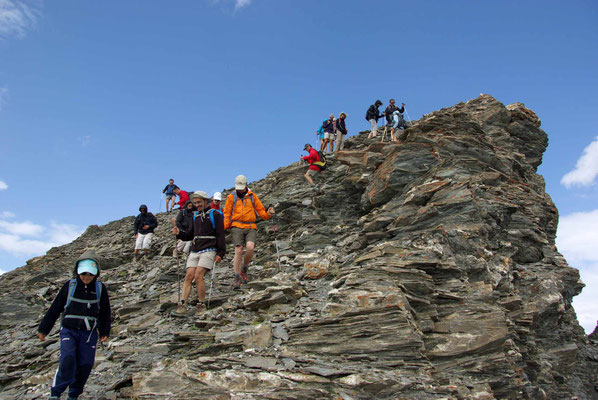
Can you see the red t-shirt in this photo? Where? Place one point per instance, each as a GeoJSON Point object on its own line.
{"type": "Point", "coordinates": [312, 158]}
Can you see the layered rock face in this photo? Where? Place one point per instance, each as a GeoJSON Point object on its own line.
{"type": "Point", "coordinates": [422, 270]}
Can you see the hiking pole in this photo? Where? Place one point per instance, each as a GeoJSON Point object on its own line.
{"type": "Point", "coordinates": [276, 242]}
{"type": "Point", "coordinates": [161, 197]}
{"type": "Point", "coordinates": [178, 268]}
{"type": "Point", "coordinates": [409, 119]}
{"type": "Point", "coordinates": [211, 283]}
{"type": "Point", "coordinates": [384, 134]}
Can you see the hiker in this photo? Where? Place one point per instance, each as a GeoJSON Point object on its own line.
{"type": "Point", "coordinates": [85, 307]}
{"type": "Point", "coordinates": [372, 115]}
{"type": "Point", "coordinates": [144, 226]}
{"type": "Point", "coordinates": [311, 159]}
{"type": "Point", "coordinates": [183, 228]}
{"type": "Point", "coordinates": [169, 192]}
{"type": "Point", "coordinates": [329, 137]}
{"type": "Point", "coordinates": [391, 109]}
{"type": "Point", "coordinates": [216, 199]}
{"type": "Point", "coordinates": [341, 131]}
{"type": "Point", "coordinates": [398, 124]}
{"type": "Point", "coordinates": [183, 197]}
{"type": "Point", "coordinates": [240, 211]}
{"type": "Point", "coordinates": [207, 249]}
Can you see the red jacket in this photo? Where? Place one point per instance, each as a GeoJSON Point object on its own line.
{"type": "Point", "coordinates": [183, 198]}
{"type": "Point", "coordinates": [214, 206]}
{"type": "Point", "coordinates": [312, 158]}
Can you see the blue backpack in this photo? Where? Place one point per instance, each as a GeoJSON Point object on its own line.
{"type": "Point", "coordinates": [73, 287]}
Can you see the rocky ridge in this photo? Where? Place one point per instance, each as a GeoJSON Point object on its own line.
{"type": "Point", "coordinates": [423, 270]}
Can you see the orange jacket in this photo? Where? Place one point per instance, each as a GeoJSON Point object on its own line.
{"type": "Point", "coordinates": [244, 214]}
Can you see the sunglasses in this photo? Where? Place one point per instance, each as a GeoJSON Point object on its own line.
{"type": "Point", "coordinates": [87, 274]}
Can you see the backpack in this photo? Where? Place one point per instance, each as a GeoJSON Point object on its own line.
{"type": "Point", "coordinates": [322, 162]}
{"type": "Point", "coordinates": [211, 212]}
{"type": "Point", "coordinates": [73, 287]}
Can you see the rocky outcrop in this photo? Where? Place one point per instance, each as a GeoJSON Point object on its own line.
{"type": "Point", "coordinates": [420, 270]}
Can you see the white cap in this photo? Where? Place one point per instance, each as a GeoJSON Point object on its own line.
{"type": "Point", "coordinates": [218, 196]}
{"type": "Point", "coordinates": [240, 182]}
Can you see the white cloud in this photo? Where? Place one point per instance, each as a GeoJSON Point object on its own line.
{"type": "Point", "coordinates": [28, 239]}
{"type": "Point", "coordinates": [241, 3]}
{"type": "Point", "coordinates": [7, 214]}
{"type": "Point", "coordinates": [577, 240]}
{"type": "Point", "coordinates": [2, 271]}
{"type": "Point", "coordinates": [3, 185]}
{"type": "Point", "coordinates": [17, 17]}
{"type": "Point", "coordinates": [25, 228]}
{"type": "Point", "coordinates": [586, 168]}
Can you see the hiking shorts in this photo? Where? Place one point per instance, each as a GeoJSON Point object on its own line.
{"type": "Point", "coordinates": [203, 260]}
{"type": "Point", "coordinates": [143, 241]}
{"type": "Point", "coordinates": [312, 172]}
{"type": "Point", "coordinates": [242, 236]}
{"type": "Point", "coordinates": [374, 125]}
{"type": "Point", "coordinates": [183, 246]}
{"type": "Point", "coordinates": [170, 196]}
{"type": "Point", "coordinates": [329, 136]}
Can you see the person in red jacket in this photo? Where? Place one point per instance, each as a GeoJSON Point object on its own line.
{"type": "Point", "coordinates": [183, 197]}
{"type": "Point", "coordinates": [311, 159]}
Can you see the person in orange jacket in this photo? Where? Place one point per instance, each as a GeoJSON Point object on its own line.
{"type": "Point", "coordinates": [240, 213]}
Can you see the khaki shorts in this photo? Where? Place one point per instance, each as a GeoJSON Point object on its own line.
{"type": "Point", "coordinates": [204, 260]}
{"type": "Point", "coordinates": [312, 172]}
{"type": "Point", "coordinates": [329, 136]}
{"type": "Point", "coordinates": [242, 236]}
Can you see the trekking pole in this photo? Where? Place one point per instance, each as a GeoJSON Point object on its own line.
{"type": "Point", "coordinates": [276, 242]}
{"type": "Point", "coordinates": [407, 114]}
{"type": "Point", "coordinates": [211, 283]}
{"type": "Point", "coordinates": [161, 197]}
{"type": "Point", "coordinates": [384, 134]}
{"type": "Point", "coordinates": [178, 268]}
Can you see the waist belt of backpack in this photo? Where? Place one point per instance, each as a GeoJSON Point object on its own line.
{"type": "Point", "coordinates": [204, 237]}
{"type": "Point", "coordinates": [244, 223]}
{"type": "Point", "coordinates": [86, 319]}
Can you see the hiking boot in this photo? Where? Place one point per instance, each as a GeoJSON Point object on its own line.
{"type": "Point", "coordinates": [71, 398]}
{"type": "Point", "coordinates": [53, 398]}
{"type": "Point", "coordinates": [181, 310]}
{"type": "Point", "coordinates": [238, 282]}
{"type": "Point", "coordinates": [244, 276]}
{"type": "Point", "coordinates": [200, 309]}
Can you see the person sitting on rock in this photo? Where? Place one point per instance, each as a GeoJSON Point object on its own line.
{"type": "Point", "coordinates": [85, 307]}
{"type": "Point", "coordinates": [169, 192]}
{"type": "Point", "coordinates": [183, 197]}
{"type": "Point", "coordinates": [397, 124]}
{"type": "Point", "coordinates": [183, 228]}
{"type": "Point", "coordinates": [207, 249]}
{"type": "Point", "coordinates": [372, 116]}
{"type": "Point", "coordinates": [216, 199]}
{"type": "Point", "coordinates": [240, 211]}
{"type": "Point", "coordinates": [144, 226]}
{"type": "Point", "coordinates": [311, 159]}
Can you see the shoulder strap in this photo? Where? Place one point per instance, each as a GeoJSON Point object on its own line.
{"type": "Point", "coordinates": [212, 217]}
{"type": "Point", "coordinates": [98, 291]}
{"type": "Point", "coordinates": [71, 292]}
{"type": "Point", "coordinates": [235, 198]}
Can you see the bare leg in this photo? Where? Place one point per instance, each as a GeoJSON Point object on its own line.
{"type": "Point", "coordinates": [249, 246]}
{"type": "Point", "coordinates": [238, 259]}
{"type": "Point", "coordinates": [311, 181]}
{"type": "Point", "coordinates": [332, 146]}
{"type": "Point", "coordinates": [201, 288]}
{"type": "Point", "coordinates": [189, 276]}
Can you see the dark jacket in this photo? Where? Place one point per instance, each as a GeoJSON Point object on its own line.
{"type": "Point", "coordinates": [184, 221]}
{"type": "Point", "coordinates": [169, 189]}
{"type": "Point", "coordinates": [204, 235]}
{"type": "Point", "coordinates": [145, 219]}
{"type": "Point", "coordinates": [390, 109]}
{"type": "Point", "coordinates": [83, 292]}
{"type": "Point", "coordinates": [340, 126]}
{"type": "Point", "coordinates": [328, 126]}
{"type": "Point", "coordinates": [373, 113]}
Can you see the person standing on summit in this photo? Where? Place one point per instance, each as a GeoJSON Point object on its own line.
{"type": "Point", "coordinates": [240, 211]}
{"type": "Point", "coordinates": [144, 226]}
{"type": "Point", "coordinates": [372, 116]}
{"type": "Point", "coordinates": [85, 307]}
{"type": "Point", "coordinates": [341, 131]}
{"type": "Point", "coordinates": [329, 136]}
{"type": "Point", "coordinates": [169, 192]}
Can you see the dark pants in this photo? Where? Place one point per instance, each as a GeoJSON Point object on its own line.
{"type": "Point", "coordinates": [77, 356]}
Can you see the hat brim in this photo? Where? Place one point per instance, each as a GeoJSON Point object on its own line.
{"type": "Point", "coordinates": [240, 187]}
{"type": "Point", "coordinates": [87, 268]}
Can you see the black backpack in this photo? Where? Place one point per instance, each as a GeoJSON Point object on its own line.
{"type": "Point", "coordinates": [322, 162]}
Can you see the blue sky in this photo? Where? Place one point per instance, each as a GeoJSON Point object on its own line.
{"type": "Point", "coordinates": [102, 102]}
